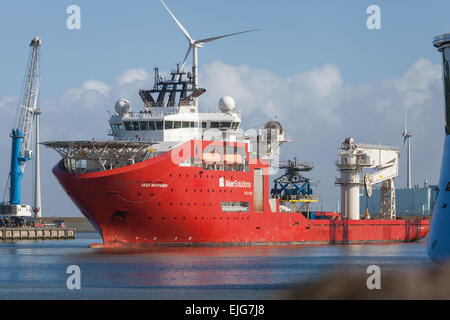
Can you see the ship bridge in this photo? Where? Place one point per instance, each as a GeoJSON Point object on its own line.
{"type": "Point", "coordinates": [170, 114]}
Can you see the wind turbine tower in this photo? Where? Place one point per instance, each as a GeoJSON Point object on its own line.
{"type": "Point", "coordinates": [407, 138]}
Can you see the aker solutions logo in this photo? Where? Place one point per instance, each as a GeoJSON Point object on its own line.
{"type": "Point", "coordinates": [234, 184]}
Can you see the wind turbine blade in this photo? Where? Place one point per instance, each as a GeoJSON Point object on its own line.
{"type": "Point", "coordinates": [185, 58]}
{"type": "Point", "coordinates": [225, 35]}
{"type": "Point", "coordinates": [178, 23]}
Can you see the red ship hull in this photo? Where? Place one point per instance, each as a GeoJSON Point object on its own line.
{"type": "Point", "coordinates": [159, 202]}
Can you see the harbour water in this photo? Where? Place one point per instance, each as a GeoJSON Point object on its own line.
{"type": "Point", "coordinates": [37, 269]}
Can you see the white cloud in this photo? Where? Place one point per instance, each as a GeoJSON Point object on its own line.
{"type": "Point", "coordinates": [6, 102]}
{"type": "Point", "coordinates": [98, 86]}
{"type": "Point", "coordinates": [131, 75]}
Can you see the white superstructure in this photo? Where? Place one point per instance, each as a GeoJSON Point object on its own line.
{"type": "Point", "coordinates": [356, 157]}
{"type": "Point", "coordinates": [173, 124]}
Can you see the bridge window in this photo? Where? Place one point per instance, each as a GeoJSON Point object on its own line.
{"type": "Point", "coordinates": [204, 124]}
{"type": "Point", "coordinates": [214, 125]}
{"type": "Point", "coordinates": [143, 125]}
{"type": "Point", "coordinates": [185, 124]}
{"type": "Point", "coordinates": [168, 125]}
{"type": "Point", "coordinates": [135, 126]}
{"type": "Point", "coordinates": [194, 124]}
{"type": "Point", "coordinates": [225, 125]}
{"type": "Point", "coordinates": [151, 125]}
{"type": "Point", "coordinates": [159, 125]}
{"type": "Point", "coordinates": [177, 124]}
{"type": "Point", "coordinates": [128, 125]}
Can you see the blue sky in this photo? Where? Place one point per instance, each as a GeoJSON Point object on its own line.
{"type": "Point", "coordinates": [295, 36]}
{"type": "Point", "coordinates": [361, 74]}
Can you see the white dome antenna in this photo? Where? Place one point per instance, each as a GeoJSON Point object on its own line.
{"type": "Point", "coordinates": [123, 106]}
{"type": "Point", "coordinates": [227, 104]}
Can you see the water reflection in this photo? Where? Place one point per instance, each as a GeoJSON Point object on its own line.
{"type": "Point", "coordinates": [42, 265]}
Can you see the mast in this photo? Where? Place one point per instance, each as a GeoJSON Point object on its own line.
{"type": "Point", "coordinates": [407, 137]}
{"type": "Point", "coordinates": [37, 169]}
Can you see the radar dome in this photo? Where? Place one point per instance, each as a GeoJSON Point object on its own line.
{"type": "Point", "coordinates": [226, 104]}
{"type": "Point", "coordinates": [123, 106]}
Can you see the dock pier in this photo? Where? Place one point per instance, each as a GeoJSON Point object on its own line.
{"type": "Point", "coordinates": [39, 233]}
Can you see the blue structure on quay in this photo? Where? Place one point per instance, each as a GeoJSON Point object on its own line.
{"type": "Point", "coordinates": [408, 201]}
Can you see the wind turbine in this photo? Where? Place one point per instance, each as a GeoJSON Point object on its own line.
{"type": "Point", "coordinates": [407, 137]}
{"type": "Point", "coordinates": [195, 44]}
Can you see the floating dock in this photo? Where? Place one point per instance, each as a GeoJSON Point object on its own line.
{"type": "Point", "coordinates": [13, 234]}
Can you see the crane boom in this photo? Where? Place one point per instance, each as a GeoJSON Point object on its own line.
{"type": "Point", "coordinates": [28, 106]}
{"type": "Point", "coordinates": [22, 133]}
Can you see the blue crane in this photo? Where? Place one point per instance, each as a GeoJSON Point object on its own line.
{"type": "Point", "coordinates": [21, 134]}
